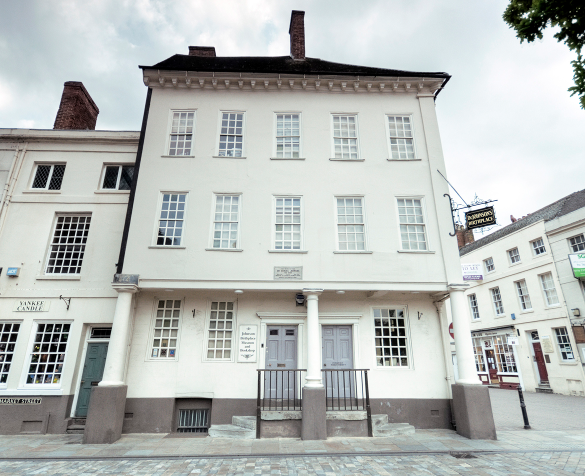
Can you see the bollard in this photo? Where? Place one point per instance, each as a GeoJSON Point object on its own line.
{"type": "Point", "coordinates": [523, 407]}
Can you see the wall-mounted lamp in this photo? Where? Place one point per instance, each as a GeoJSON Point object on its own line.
{"type": "Point", "coordinates": [576, 312]}
{"type": "Point", "coordinates": [300, 299]}
{"type": "Point", "coordinates": [340, 292]}
{"type": "Point", "coordinates": [239, 291]}
{"type": "Point", "coordinates": [420, 314]}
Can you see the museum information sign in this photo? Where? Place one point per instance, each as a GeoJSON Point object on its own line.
{"type": "Point", "coordinates": [480, 218]}
{"type": "Point", "coordinates": [288, 272]}
{"type": "Point", "coordinates": [247, 343]}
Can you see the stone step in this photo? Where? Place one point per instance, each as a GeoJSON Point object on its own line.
{"type": "Point", "coordinates": [248, 422]}
{"type": "Point", "coordinates": [231, 431]}
{"type": "Point", "coordinates": [378, 420]}
{"type": "Point", "coordinates": [544, 390]}
{"type": "Point", "coordinates": [75, 429]}
{"type": "Point", "coordinates": [393, 429]}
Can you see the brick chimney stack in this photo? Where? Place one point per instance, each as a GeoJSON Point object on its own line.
{"type": "Point", "coordinates": [297, 35]}
{"type": "Point", "coordinates": [464, 236]}
{"type": "Point", "coordinates": [208, 51]}
{"type": "Point", "coordinates": [77, 109]}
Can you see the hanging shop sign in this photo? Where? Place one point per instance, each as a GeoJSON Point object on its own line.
{"type": "Point", "coordinates": [480, 218]}
{"type": "Point", "coordinates": [247, 343]}
{"type": "Point", "coordinates": [578, 264]}
{"type": "Point", "coordinates": [31, 305]}
{"type": "Point", "coordinates": [472, 271]}
{"type": "Point", "coordinates": [288, 272]}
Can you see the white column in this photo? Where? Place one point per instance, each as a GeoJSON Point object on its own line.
{"type": "Point", "coordinates": [313, 339]}
{"type": "Point", "coordinates": [118, 346]}
{"type": "Point", "coordinates": [462, 332]}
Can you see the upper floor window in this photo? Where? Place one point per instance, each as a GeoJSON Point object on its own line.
{"type": "Point", "coordinates": [412, 224]}
{"type": "Point", "coordinates": [391, 340]}
{"type": "Point", "coordinates": [538, 247]}
{"type": "Point", "coordinates": [514, 256]}
{"type": "Point", "coordinates": [231, 139]}
{"type": "Point", "coordinates": [171, 219]}
{"type": "Point", "coordinates": [345, 136]}
{"type": "Point", "coordinates": [8, 336]}
{"type": "Point", "coordinates": [351, 233]}
{"type": "Point", "coordinates": [497, 300]}
{"type": "Point", "coordinates": [225, 222]}
{"type": "Point", "coordinates": [166, 329]}
{"type": "Point", "coordinates": [287, 222]}
{"type": "Point", "coordinates": [474, 307]}
{"type": "Point", "coordinates": [117, 177]}
{"type": "Point", "coordinates": [564, 343]}
{"type": "Point", "coordinates": [401, 138]}
{"type": "Point", "coordinates": [523, 295]}
{"type": "Point", "coordinates": [489, 265]}
{"type": "Point", "coordinates": [548, 287]}
{"type": "Point", "coordinates": [181, 140]}
{"type": "Point", "coordinates": [48, 176]}
{"type": "Point", "coordinates": [577, 243]}
{"type": "Point", "coordinates": [47, 357]}
{"type": "Point", "coordinates": [67, 247]}
{"type": "Point", "coordinates": [288, 136]}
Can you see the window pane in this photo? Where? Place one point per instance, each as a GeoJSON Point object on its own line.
{"type": "Point", "coordinates": [391, 351]}
{"type": "Point", "coordinates": [225, 224]}
{"type": "Point", "coordinates": [163, 347]}
{"type": "Point", "coordinates": [220, 324]}
{"type": "Point", "coordinates": [42, 176]}
{"type": "Point", "coordinates": [345, 137]}
{"type": "Point", "coordinates": [181, 133]}
{"type": "Point", "coordinates": [68, 245]}
{"type": "Point", "coordinates": [126, 177]}
{"type": "Point", "coordinates": [57, 177]}
{"type": "Point", "coordinates": [111, 177]}
{"type": "Point", "coordinates": [172, 216]}
{"type": "Point", "coordinates": [288, 224]}
{"type": "Point", "coordinates": [48, 354]}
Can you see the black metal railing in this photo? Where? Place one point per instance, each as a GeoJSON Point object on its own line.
{"type": "Point", "coordinates": [278, 390]}
{"type": "Point", "coordinates": [348, 390]}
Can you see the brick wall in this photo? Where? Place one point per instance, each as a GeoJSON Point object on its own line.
{"type": "Point", "coordinates": [464, 236]}
{"type": "Point", "coordinates": [208, 51]}
{"type": "Point", "coordinates": [297, 35]}
{"type": "Point", "coordinates": [77, 110]}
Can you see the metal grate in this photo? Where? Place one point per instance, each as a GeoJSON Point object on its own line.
{"type": "Point", "coordinates": [193, 421]}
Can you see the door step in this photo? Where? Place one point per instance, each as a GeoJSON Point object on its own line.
{"type": "Point", "coordinates": [231, 431]}
{"type": "Point", "coordinates": [381, 427]}
{"type": "Point", "coordinates": [544, 389]}
{"type": "Point", "coordinates": [75, 426]}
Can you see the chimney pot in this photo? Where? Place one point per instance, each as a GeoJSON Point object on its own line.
{"type": "Point", "coordinates": [297, 35]}
{"type": "Point", "coordinates": [208, 51]}
{"type": "Point", "coordinates": [77, 109]}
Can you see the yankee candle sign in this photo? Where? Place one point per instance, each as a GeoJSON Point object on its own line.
{"type": "Point", "coordinates": [480, 218]}
{"type": "Point", "coordinates": [578, 264]}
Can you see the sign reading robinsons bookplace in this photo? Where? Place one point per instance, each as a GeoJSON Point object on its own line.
{"type": "Point", "coordinates": [480, 218]}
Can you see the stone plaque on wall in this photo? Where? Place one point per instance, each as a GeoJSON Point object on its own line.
{"type": "Point", "coordinates": [247, 343]}
{"type": "Point", "coordinates": [547, 345]}
{"type": "Point", "coordinates": [288, 272]}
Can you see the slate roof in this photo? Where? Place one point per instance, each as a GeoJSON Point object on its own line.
{"type": "Point", "coordinates": [280, 65]}
{"type": "Point", "coordinates": [557, 209]}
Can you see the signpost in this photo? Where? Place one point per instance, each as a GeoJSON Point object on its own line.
{"type": "Point", "coordinates": [578, 264]}
{"type": "Point", "coordinates": [480, 218]}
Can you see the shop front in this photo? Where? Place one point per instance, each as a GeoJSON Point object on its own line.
{"type": "Point", "coordinates": [495, 357]}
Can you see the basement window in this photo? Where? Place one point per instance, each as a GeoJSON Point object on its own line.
{"type": "Point", "coordinates": [193, 421]}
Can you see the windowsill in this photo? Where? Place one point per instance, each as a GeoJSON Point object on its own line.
{"type": "Point", "coordinates": [498, 316]}
{"type": "Point", "coordinates": [288, 251]}
{"type": "Point", "coordinates": [422, 252]}
{"type": "Point", "coordinates": [347, 160]}
{"type": "Point", "coordinates": [404, 160]}
{"type": "Point", "coordinates": [122, 192]}
{"type": "Point", "coordinates": [352, 252]}
{"type": "Point", "coordinates": [65, 277]}
{"type": "Point", "coordinates": [568, 363]}
{"type": "Point", "coordinates": [177, 156]}
{"type": "Point", "coordinates": [527, 311]}
{"type": "Point", "coordinates": [166, 247]}
{"type": "Point", "coordinates": [540, 255]}
{"type": "Point", "coordinates": [226, 157]}
{"type": "Point", "coordinates": [287, 158]}
{"type": "Point", "coordinates": [41, 191]}
{"type": "Point", "coordinates": [553, 306]}
{"type": "Point", "coordinates": [223, 249]}
{"type": "Point", "coordinates": [390, 367]}
{"type": "Point", "coordinates": [476, 320]}
{"type": "Point", "coordinates": [31, 391]}
{"type": "Point", "coordinates": [515, 264]}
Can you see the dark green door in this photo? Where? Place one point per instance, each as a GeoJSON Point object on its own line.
{"type": "Point", "coordinates": [93, 370]}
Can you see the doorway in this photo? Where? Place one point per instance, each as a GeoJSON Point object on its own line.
{"type": "Point", "coordinates": [93, 371]}
{"type": "Point", "coordinates": [338, 355]}
{"type": "Point", "coordinates": [538, 356]}
{"type": "Point", "coordinates": [492, 366]}
{"type": "Point", "coordinates": [281, 355]}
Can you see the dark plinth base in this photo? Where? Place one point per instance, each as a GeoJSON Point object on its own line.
{"type": "Point", "coordinates": [473, 412]}
{"type": "Point", "coordinates": [105, 415]}
{"type": "Point", "coordinates": [314, 426]}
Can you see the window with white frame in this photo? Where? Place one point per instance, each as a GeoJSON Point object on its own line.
{"type": "Point", "coordinates": [538, 247]}
{"type": "Point", "coordinates": [504, 355]}
{"type": "Point", "coordinates": [345, 137]}
{"type": "Point", "coordinates": [117, 177]}
{"type": "Point", "coordinates": [564, 344]}
{"type": "Point", "coordinates": [523, 295]}
{"type": "Point", "coordinates": [514, 256]}
{"type": "Point", "coordinates": [474, 307]}
{"type": "Point", "coordinates": [478, 353]}
{"type": "Point", "coordinates": [48, 353]}
{"type": "Point", "coordinates": [577, 243]}
{"type": "Point", "coordinates": [171, 219]}
{"type": "Point", "coordinates": [231, 139]}
{"type": "Point", "coordinates": [221, 324]}
{"type": "Point", "coordinates": [401, 138]}
{"type": "Point", "coordinates": [67, 247]}
{"type": "Point", "coordinates": [412, 224]}
{"type": "Point", "coordinates": [489, 265]}
{"type": "Point", "coordinates": [351, 233]}
{"type": "Point", "coordinates": [548, 287]}
{"type": "Point", "coordinates": [287, 222]}
{"type": "Point", "coordinates": [288, 136]}
{"type": "Point", "coordinates": [181, 139]}
{"type": "Point", "coordinates": [8, 336]}
{"type": "Point", "coordinates": [226, 222]}
{"type": "Point", "coordinates": [48, 177]}
{"type": "Point", "coordinates": [166, 329]}
{"type": "Point", "coordinates": [497, 300]}
{"type": "Point", "coordinates": [390, 339]}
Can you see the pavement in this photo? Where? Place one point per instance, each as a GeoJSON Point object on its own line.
{"type": "Point", "coordinates": [555, 446]}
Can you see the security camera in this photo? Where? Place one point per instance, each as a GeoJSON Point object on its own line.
{"type": "Point", "coordinates": [300, 299]}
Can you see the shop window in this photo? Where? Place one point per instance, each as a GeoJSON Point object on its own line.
{"type": "Point", "coordinates": [391, 341]}
{"type": "Point", "coordinates": [48, 354]}
{"type": "Point", "coordinates": [504, 355]}
{"type": "Point", "coordinates": [564, 344]}
{"type": "Point", "coordinates": [8, 336]}
{"type": "Point", "coordinates": [478, 353]}
{"type": "Point", "coordinates": [166, 329]}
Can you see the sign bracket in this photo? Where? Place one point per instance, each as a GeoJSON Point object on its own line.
{"type": "Point", "coordinates": [66, 300]}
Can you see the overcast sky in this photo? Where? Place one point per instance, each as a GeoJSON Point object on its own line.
{"type": "Point", "coordinates": [509, 128]}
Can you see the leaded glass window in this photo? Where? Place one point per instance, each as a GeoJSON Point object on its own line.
{"type": "Point", "coordinates": [166, 329]}
{"type": "Point", "coordinates": [390, 339]}
{"type": "Point", "coordinates": [68, 244]}
{"type": "Point", "coordinates": [412, 225]}
{"type": "Point", "coordinates": [48, 354]}
{"type": "Point", "coordinates": [221, 324]}
{"type": "Point", "coordinates": [49, 177]}
{"type": "Point", "coordinates": [401, 139]}
{"type": "Point", "coordinates": [118, 177]}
